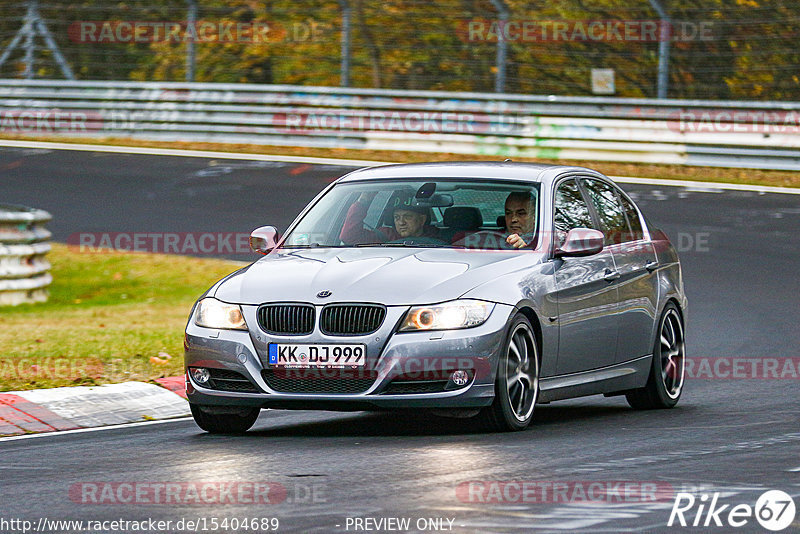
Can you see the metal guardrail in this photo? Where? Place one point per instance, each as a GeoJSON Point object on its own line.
{"type": "Point", "coordinates": [692, 132]}
{"type": "Point", "coordinates": [24, 275]}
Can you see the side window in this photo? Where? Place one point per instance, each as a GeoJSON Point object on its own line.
{"type": "Point", "coordinates": [609, 210]}
{"type": "Point", "coordinates": [637, 232]}
{"type": "Point", "coordinates": [570, 211]}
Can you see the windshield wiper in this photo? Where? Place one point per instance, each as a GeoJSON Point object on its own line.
{"type": "Point", "coordinates": [407, 245]}
{"type": "Point", "coordinates": [312, 245]}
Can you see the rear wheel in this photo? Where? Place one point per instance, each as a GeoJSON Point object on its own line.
{"type": "Point", "coordinates": [665, 383]}
{"type": "Point", "coordinates": [217, 421]}
{"type": "Point", "coordinates": [516, 387]}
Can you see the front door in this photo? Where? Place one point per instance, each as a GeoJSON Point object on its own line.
{"type": "Point", "coordinates": [586, 291]}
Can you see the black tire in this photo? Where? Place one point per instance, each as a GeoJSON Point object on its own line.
{"type": "Point", "coordinates": [515, 400]}
{"type": "Point", "coordinates": [219, 422]}
{"type": "Point", "coordinates": [667, 370]}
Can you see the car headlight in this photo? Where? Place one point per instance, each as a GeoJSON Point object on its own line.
{"type": "Point", "coordinates": [212, 313]}
{"type": "Point", "coordinates": [447, 316]}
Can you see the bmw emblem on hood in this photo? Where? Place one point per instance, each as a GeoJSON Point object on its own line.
{"type": "Point", "coordinates": [324, 294]}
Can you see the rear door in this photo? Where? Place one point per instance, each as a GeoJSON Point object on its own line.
{"type": "Point", "coordinates": [587, 302]}
{"type": "Point", "coordinates": [635, 260]}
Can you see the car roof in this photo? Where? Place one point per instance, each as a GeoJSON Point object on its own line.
{"type": "Point", "coordinates": [494, 170]}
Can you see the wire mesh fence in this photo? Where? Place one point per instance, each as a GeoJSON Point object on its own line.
{"type": "Point", "coordinates": [704, 49]}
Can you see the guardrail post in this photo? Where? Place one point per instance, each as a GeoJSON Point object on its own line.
{"type": "Point", "coordinates": [24, 275]}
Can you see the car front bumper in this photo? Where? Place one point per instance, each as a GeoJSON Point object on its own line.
{"type": "Point", "coordinates": [393, 360]}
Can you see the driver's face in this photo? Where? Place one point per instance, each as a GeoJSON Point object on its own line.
{"type": "Point", "coordinates": [520, 216]}
{"type": "Point", "coordinates": [408, 223]}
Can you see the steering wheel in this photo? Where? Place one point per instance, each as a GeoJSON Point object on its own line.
{"type": "Point", "coordinates": [484, 239]}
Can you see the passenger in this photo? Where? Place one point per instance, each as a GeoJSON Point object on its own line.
{"type": "Point", "coordinates": [520, 218]}
{"type": "Point", "coordinates": [409, 221]}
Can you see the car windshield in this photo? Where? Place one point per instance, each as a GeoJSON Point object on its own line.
{"type": "Point", "coordinates": [436, 213]}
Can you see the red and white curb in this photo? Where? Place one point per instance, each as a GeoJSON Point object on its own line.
{"type": "Point", "coordinates": [70, 408]}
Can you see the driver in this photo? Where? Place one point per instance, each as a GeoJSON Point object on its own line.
{"type": "Point", "coordinates": [520, 214]}
{"type": "Point", "coordinates": [409, 221]}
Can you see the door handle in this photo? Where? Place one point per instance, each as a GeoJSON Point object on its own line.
{"type": "Point", "coordinates": [610, 275]}
{"type": "Point", "coordinates": [651, 266]}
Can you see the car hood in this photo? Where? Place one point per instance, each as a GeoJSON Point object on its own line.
{"type": "Point", "coordinates": [390, 276]}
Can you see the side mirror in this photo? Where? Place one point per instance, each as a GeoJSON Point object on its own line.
{"type": "Point", "coordinates": [264, 239]}
{"type": "Point", "coordinates": [581, 242]}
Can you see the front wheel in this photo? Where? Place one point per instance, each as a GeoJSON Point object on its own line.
{"type": "Point", "coordinates": [516, 388]}
{"type": "Point", "coordinates": [665, 383]}
{"type": "Point", "coordinates": [220, 422]}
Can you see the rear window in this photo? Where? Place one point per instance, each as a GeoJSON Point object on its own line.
{"type": "Point", "coordinates": [637, 232]}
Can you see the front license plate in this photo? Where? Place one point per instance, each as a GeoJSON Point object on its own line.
{"type": "Point", "coordinates": [296, 355]}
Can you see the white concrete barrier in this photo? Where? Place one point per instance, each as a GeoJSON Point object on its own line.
{"type": "Point", "coordinates": [24, 275]}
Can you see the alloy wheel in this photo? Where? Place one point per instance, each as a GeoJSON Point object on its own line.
{"type": "Point", "coordinates": [672, 354]}
{"type": "Point", "coordinates": [522, 369]}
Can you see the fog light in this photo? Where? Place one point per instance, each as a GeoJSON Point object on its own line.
{"type": "Point", "coordinates": [200, 375]}
{"type": "Point", "coordinates": [460, 377]}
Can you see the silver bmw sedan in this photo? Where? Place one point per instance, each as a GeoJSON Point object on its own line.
{"type": "Point", "coordinates": [469, 289]}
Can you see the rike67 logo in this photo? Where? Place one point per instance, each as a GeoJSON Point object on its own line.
{"type": "Point", "coordinates": [774, 510]}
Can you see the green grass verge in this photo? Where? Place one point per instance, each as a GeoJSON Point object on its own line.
{"type": "Point", "coordinates": [111, 317]}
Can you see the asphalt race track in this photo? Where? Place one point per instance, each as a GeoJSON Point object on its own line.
{"type": "Point", "coordinates": [738, 436]}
